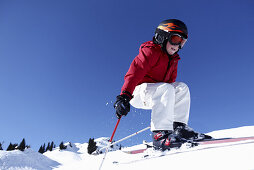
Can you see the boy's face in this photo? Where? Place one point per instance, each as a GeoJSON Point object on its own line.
{"type": "Point", "coordinates": [171, 49]}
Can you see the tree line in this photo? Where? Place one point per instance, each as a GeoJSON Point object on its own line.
{"type": "Point", "coordinates": [22, 146]}
{"type": "Point", "coordinates": [50, 146]}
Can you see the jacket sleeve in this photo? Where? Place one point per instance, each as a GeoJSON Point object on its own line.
{"type": "Point", "coordinates": [139, 67]}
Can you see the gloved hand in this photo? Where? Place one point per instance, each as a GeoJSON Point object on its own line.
{"type": "Point", "coordinates": [122, 105]}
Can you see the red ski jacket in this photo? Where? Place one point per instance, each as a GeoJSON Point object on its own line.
{"type": "Point", "coordinates": [151, 65]}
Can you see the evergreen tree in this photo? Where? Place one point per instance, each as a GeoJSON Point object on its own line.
{"type": "Point", "coordinates": [1, 148]}
{"type": "Point", "coordinates": [51, 146]}
{"type": "Point", "coordinates": [61, 146]}
{"type": "Point", "coordinates": [12, 147]}
{"type": "Point", "coordinates": [42, 149]}
{"type": "Point", "coordinates": [91, 146]}
{"type": "Point", "coordinates": [47, 149]}
{"type": "Point", "coordinates": [22, 145]}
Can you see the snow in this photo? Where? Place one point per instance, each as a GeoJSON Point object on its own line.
{"type": "Point", "coordinates": [237, 155]}
{"type": "Point", "coordinates": [235, 132]}
{"type": "Point", "coordinates": [104, 141]}
{"type": "Point", "coordinates": [26, 160]}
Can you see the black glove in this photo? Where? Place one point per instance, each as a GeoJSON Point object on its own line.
{"type": "Point", "coordinates": [122, 105]}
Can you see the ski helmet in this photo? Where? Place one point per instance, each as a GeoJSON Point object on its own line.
{"type": "Point", "coordinates": [167, 27]}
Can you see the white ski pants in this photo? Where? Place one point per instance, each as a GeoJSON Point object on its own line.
{"type": "Point", "coordinates": [169, 102]}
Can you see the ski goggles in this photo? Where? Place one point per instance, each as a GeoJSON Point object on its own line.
{"type": "Point", "coordinates": [177, 39]}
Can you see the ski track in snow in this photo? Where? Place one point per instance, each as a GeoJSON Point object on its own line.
{"type": "Point", "coordinates": [233, 156]}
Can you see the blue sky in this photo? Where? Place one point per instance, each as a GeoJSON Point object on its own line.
{"type": "Point", "coordinates": [62, 64]}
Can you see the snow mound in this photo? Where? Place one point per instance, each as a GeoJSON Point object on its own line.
{"type": "Point", "coordinates": [104, 141]}
{"type": "Point", "coordinates": [27, 160]}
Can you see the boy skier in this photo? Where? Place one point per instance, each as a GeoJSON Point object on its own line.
{"type": "Point", "coordinates": [150, 84]}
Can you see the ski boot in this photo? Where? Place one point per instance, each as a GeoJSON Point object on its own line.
{"type": "Point", "coordinates": [166, 139]}
{"type": "Point", "coordinates": [187, 133]}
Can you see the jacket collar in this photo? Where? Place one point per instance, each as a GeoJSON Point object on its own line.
{"type": "Point", "coordinates": [174, 56]}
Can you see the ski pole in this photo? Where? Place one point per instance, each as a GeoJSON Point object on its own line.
{"type": "Point", "coordinates": [125, 138]}
{"type": "Point", "coordinates": [112, 136]}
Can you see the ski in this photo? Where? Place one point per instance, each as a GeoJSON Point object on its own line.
{"type": "Point", "coordinates": [194, 143]}
{"type": "Point", "coordinates": [225, 140]}
{"type": "Point", "coordinates": [150, 153]}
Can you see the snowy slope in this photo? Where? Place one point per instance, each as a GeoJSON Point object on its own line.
{"type": "Point", "coordinates": [238, 155]}
{"type": "Point", "coordinates": [26, 160]}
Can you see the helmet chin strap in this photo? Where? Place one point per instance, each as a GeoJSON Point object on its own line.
{"type": "Point", "coordinates": [163, 46]}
